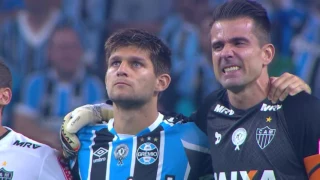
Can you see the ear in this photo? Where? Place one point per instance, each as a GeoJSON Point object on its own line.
{"type": "Point", "coordinates": [5, 96]}
{"type": "Point", "coordinates": [163, 82]}
{"type": "Point", "coordinates": [268, 52]}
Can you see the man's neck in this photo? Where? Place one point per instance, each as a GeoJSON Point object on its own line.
{"type": "Point", "coordinates": [133, 121]}
{"type": "Point", "coordinates": [2, 130]}
{"type": "Point", "coordinates": [250, 95]}
{"type": "Point", "coordinates": [37, 21]}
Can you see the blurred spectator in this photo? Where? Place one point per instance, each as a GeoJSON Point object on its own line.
{"type": "Point", "coordinates": [140, 14]}
{"type": "Point", "coordinates": [286, 20]}
{"type": "Point", "coordinates": [306, 47]}
{"type": "Point", "coordinates": [93, 14]}
{"type": "Point", "coordinates": [49, 95]}
{"type": "Point", "coordinates": [8, 8]}
{"type": "Point", "coordinates": [23, 39]}
{"type": "Point", "coordinates": [192, 76]}
{"type": "Point", "coordinates": [206, 81]}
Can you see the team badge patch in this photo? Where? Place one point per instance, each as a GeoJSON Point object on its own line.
{"type": "Point", "coordinates": [6, 175]}
{"type": "Point", "coordinates": [264, 136]}
{"type": "Point", "coordinates": [120, 153]}
{"type": "Point", "coordinates": [147, 153]}
{"type": "Point", "coordinates": [238, 137]}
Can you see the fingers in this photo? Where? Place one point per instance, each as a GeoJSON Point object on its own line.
{"type": "Point", "coordinates": [106, 111]}
{"type": "Point", "coordinates": [279, 86]}
{"type": "Point", "coordinates": [286, 84]}
{"type": "Point", "coordinates": [299, 88]}
{"type": "Point", "coordinates": [74, 124]}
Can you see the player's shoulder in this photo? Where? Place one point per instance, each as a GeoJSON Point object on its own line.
{"type": "Point", "coordinates": [303, 102]}
{"type": "Point", "coordinates": [27, 146]}
{"type": "Point", "coordinates": [174, 118]}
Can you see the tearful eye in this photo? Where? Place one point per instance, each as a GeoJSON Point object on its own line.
{"type": "Point", "coordinates": [115, 63]}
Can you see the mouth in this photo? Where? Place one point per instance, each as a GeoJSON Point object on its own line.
{"type": "Point", "coordinates": [121, 83]}
{"type": "Point", "coordinates": [230, 69]}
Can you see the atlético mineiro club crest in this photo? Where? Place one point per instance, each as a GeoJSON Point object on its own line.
{"type": "Point", "coordinates": [6, 175]}
{"type": "Point", "coordinates": [264, 136]}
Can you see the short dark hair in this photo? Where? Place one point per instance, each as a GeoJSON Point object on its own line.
{"type": "Point", "coordinates": [160, 54]}
{"type": "Point", "coordinates": [246, 8]}
{"type": "Point", "coordinates": [5, 75]}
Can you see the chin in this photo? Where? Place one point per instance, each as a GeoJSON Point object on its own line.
{"type": "Point", "coordinates": [234, 87]}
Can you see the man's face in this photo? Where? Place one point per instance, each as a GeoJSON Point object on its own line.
{"type": "Point", "coordinates": [236, 53]}
{"type": "Point", "coordinates": [39, 6]}
{"type": "Point", "coordinates": [130, 77]}
{"type": "Point", "coordinates": [65, 51]}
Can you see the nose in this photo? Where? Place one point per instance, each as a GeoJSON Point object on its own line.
{"type": "Point", "coordinates": [227, 52]}
{"type": "Point", "coordinates": [122, 70]}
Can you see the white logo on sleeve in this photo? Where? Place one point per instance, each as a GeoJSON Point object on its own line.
{"type": "Point", "coordinates": [238, 137]}
{"type": "Point", "coordinates": [218, 136]}
{"type": "Point", "coordinates": [221, 109]}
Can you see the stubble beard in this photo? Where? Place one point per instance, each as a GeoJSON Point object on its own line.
{"type": "Point", "coordinates": [128, 103]}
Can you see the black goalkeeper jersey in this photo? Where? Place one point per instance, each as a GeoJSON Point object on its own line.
{"type": "Point", "coordinates": [268, 141]}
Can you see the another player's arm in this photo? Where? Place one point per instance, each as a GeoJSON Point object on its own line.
{"type": "Point", "coordinates": [54, 167]}
{"type": "Point", "coordinates": [302, 117]}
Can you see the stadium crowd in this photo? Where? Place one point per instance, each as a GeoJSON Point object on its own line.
{"type": "Point", "coordinates": [54, 49]}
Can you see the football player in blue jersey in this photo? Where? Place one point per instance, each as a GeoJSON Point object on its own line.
{"type": "Point", "coordinates": [139, 142]}
{"type": "Point", "coordinates": [277, 88]}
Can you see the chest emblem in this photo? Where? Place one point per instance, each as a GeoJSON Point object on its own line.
{"type": "Point", "coordinates": [147, 153]}
{"type": "Point", "coordinates": [120, 153]}
{"type": "Point", "coordinates": [264, 136]}
{"type": "Point", "coordinates": [6, 175]}
{"type": "Point", "coordinates": [238, 137]}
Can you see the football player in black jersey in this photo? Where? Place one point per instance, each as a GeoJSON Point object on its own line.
{"type": "Point", "coordinates": [252, 137]}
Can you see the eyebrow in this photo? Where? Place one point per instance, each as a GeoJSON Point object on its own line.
{"type": "Point", "coordinates": [234, 39]}
{"type": "Point", "coordinates": [131, 58]}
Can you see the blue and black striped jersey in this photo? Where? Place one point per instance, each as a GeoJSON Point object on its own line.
{"type": "Point", "coordinates": [167, 150]}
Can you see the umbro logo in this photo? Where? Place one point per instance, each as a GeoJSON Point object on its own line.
{"type": "Point", "coordinates": [100, 152]}
{"type": "Point", "coordinates": [97, 155]}
{"type": "Point", "coordinates": [221, 109]}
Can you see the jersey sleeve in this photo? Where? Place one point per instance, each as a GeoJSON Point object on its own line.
{"type": "Point", "coordinates": [200, 116]}
{"type": "Point", "coordinates": [74, 168]}
{"type": "Point", "coordinates": [54, 168]}
{"type": "Point", "coordinates": [196, 146]}
{"type": "Point", "coordinates": [302, 115]}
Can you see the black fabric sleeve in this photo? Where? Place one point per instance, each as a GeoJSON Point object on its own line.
{"type": "Point", "coordinates": [302, 116]}
{"type": "Point", "coordinates": [200, 116]}
{"type": "Point", "coordinates": [75, 170]}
